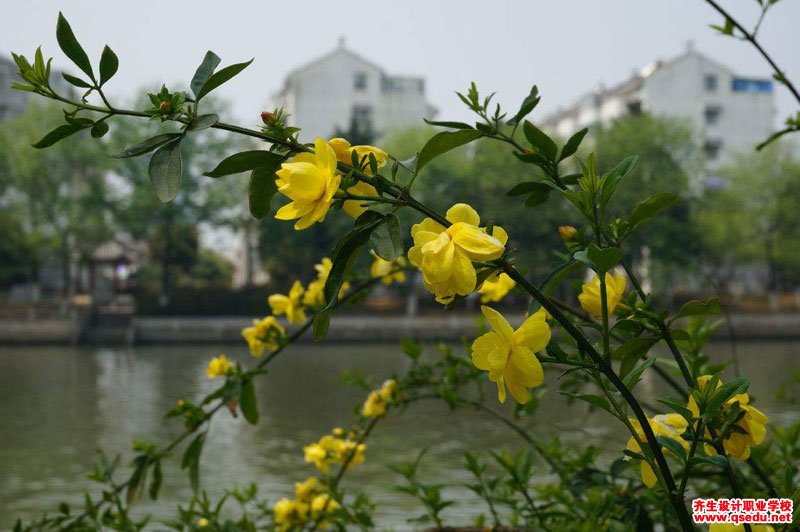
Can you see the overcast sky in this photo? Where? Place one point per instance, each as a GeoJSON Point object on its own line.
{"type": "Point", "coordinates": [565, 46]}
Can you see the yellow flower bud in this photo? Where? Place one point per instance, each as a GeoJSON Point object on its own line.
{"type": "Point", "coordinates": [567, 233]}
{"type": "Point", "coordinates": [164, 107]}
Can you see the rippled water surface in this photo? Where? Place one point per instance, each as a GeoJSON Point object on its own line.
{"type": "Point", "coordinates": [59, 404]}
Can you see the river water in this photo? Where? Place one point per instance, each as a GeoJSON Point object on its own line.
{"type": "Point", "coordinates": [59, 404]}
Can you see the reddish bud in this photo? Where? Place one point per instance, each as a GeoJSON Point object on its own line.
{"type": "Point", "coordinates": [164, 107]}
{"type": "Point", "coordinates": [268, 118]}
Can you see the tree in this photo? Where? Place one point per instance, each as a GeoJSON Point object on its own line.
{"type": "Point", "coordinates": [201, 200]}
{"type": "Point", "coordinates": [60, 197]}
{"type": "Point", "coordinates": [669, 160]}
{"type": "Point", "coordinates": [754, 218]}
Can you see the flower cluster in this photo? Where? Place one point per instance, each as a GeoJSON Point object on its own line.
{"type": "Point", "coordinates": [378, 400]}
{"type": "Point", "coordinates": [311, 502]}
{"type": "Point", "coordinates": [265, 333]}
{"type": "Point", "coordinates": [344, 153]}
{"type": "Point", "coordinates": [314, 296]}
{"type": "Point", "coordinates": [388, 271]}
{"type": "Point", "coordinates": [290, 304]}
{"type": "Point", "coordinates": [668, 425]}
{"type": "Point", "coordinates": [748, 431]}
{"type": "Point", "coordinates": [311, 181]}
{"type": "Point", "coordinates": [334, 448]}
{"type": "Point", "coordinates": [509, 355]}
{"type": "Point", "coordinates": [445, 255]}
{"type": "Point", "coordinates": [219, 367]}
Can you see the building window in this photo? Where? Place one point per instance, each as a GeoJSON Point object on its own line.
{"type": "Point", "coordinates": [362, 117]}
{"type": "Point", "coordinates": [751, 85]}
{"type": "Point", "coordinates": [635, 107]}
{"type": "Point", "coordinates": [712, 148]}
{"type": "Point", "coordinates": [360, 81]}
{"type": "Point", "coordinates": [710, 82]}
{"type": "Point", "coordinates": [711, 114]}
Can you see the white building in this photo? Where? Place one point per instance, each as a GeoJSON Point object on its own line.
{"type": "Point", "coordinates": [730, 112]}
{"type": "Point", "coordinates": [342, 88]}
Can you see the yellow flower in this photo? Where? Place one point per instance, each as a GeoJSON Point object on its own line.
{"type": "Point", "coordinates": [493, 290]}
{"type": "Point", "coordinates": [315, 294]}
{"type": "Point", "coordinates": [445, 255]}
{"type": "Point", "coordinates": [752, 424]}
{"type": "Point", "coordinates": [202, 522]}
{"type": "Point", "coordinates": [304, 490]}
{"type": "Point", "coordinates": [377, 400]}
{"type": "Point", "coordinates": [264, 334]}
{"type": "Point", "coordinates": [289, 304]}
{"type": "Point", "coordinates": [509, 355]}
{"type": "Point", "coordinates": [334, 450]}
{"type": "Point", "coordinates": [289, 513]}
{"type": "Point", "coordinates": [310, 181]}
{"type": "Point", "coordinates": [383, 269]}
{"type": "Point", "coordinates": [218, 367]}
{"type": "Point", "coordinates": [343, 150]}
{"type": "Point", "coordinates": [590, 294]}
{"type": "Point", "coordinates": [669, 425]}
{"type": "Point", "coordinates": [323, 504]}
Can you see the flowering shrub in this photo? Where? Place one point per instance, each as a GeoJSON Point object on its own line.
{"type": "Point", "coordinates": [602, 352]}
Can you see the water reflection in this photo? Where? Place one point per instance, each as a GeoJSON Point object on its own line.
{"type": "Point", "coordinates": [58, 405]}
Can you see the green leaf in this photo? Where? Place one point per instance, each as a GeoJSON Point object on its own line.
{"type": "Point", "coordinates": [218, 78]}
{"type": "Point", "coordinates": [600, 260]}
{"type": "Point", "coordinates": [631, 351]}
{"type": "Point", "coordinates": [453, 125]}
{"type": "Point", "coordinates": [136, 481]}
{"type": "Point", "coordinates": [99, 129]}
{"type": "Point", "coordinates": [557, 276]}
{"type": "Point", "coordinates": [72, 48]}
{"type": "Point", "coordinates": [700, 308]}
{"type": "Point", "coordinates": [632, 378]}
{"type": "Point", "coordinates": [444, 142]}
{"type": "Point", "coordinates": [204, 71]}
{"type": "Point", "coordinates": [248, 403]}
{"type": "Point", "coordinates": [717, 460]}
{"type": "Point", "coordinates": [387, 239]}
{"type": "Point", "coordinates": [343, 255]}
{"type": "Point", "coordinates": [594, 400]}
{"type": "Point", "coordinates": [678, 406]}
{"type": "Point", "coordinates": [528, 104]}
{"type": "Point", "coordinates": [538, 196]}
{"type": "Point", "coordinates": [155, 483]}
{"type": "Point", "coordinates": [540, 140]}
{"type": "Point", "coordinates": [613, 178]}
{"type": "Point", "coordinates": [572, 144]}
{"type": "Point", "coordinates": [646, 209]}
{"type": "Point", "coordinates": [78, 82]}
{"type": "Point", "coordinates": [261, 189]}
{"type": "Point", "coordinates": [199, 123]}
{"type": "Point", "coordinates": [147, 146]}
{"type": "Point", "coordinates": [191, 460]}
{"type": "Point", "coordinates": [109, 63]}
{"type": "Point", "coordinates": [166, 169]}
{"type": "Point", "coordinates": [59, 133]}
{"type": "Point", "coordinates": [245, 161]}
{"type": "Point", "coordinates": [520, 189]}
{"type": "Point", "coordinates": [723, 394]}
{"type": "Point", "coordinates": [673, 446]}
